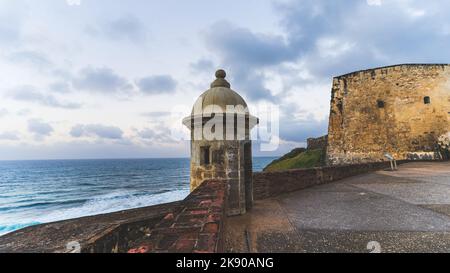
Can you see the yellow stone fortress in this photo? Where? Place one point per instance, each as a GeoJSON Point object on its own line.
{"type": "Point", "coordinates": [401, 110]}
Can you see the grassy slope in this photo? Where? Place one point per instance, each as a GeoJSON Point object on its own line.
{"type": "Point", "coordinates": [298, 159]}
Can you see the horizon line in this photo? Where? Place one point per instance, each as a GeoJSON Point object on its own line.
{"type": "Point", "coordinates": [122, 158]}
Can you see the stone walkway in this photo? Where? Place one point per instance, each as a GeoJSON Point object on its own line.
{"type": "Point", "coordinates": [403, 211]}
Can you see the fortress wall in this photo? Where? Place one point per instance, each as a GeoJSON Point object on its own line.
{"type": "Point", "coordinates": [317, 143]}
{"type": "Point", "coordinates": [362, 131]}
{"type": "Point", "coordinates": [271, 184]}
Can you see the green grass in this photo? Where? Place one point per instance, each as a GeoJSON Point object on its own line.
{"type": "Point", "coordinates": [298, 159]}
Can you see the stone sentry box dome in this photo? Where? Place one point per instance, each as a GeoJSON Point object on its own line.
{"type": "Point", "coordinates": [221, 147]}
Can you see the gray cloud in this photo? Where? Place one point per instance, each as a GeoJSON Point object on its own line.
{"type": "Point", "coordinates": [34, 58]}
{"type": "Point", "coordinates": [102, 80]}
{"type": "Point", "coordinates": [157, 84]}
{"type": "Point", "coordinates": [60, 87]}
{"type": "Point", "coordinates": [29, 94]}
{"type": "Point", "coordinates": [246, 54]}
{"type": "Point", "coordinates": [301, 130]}
{"type": "Point", "coordinates": [241, 45]}
{"type": "Point", "coordinates": [127, 27]}
{"type": "Point", "coordinates": [8, 32]}
{"type": "Point", "coordinates": [329, 38]}
{"type": "Point", "coordinates": [98, 130]}
{"type": "Point", "coordinates": [202, 65]}
{"type": "Point", "coordinates": [147, 134]}
{"type": "Point", "coordinates": [11, 22]}
{"type": "Point", "coordinates": [160, 134]}
{"type": "Point", "coordinates": [39, 128]}
{"type": "Point", "coordinates": [12, 136]}
{"type": "Point", "coordinates": [330, 42]}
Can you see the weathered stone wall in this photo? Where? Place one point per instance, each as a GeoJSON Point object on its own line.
{"type": "Point", "coordinates": [229, 158]}
{"type": "Point", "coordinates": [317, 143]}
{"type": "Point", "coordinates": [383, 110]}
{"type": "Point", "coordinates": [227, 162]}
{"type": "Point", "coordinates": [271, 184]}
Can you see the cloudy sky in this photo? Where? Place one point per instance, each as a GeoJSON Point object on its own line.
{"type": "Point", "coordinates": [109, 79]}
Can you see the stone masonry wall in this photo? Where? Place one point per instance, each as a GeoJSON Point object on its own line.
{"type": "Point", "coordinates": [317, 143]}
{"type": "Point", "coordinates": [271, 184]}
{"type": "Point", "coordinates": [383, 110]}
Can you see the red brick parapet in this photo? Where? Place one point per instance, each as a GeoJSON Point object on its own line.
{"type": "Point", "coordinates": [197, 227]}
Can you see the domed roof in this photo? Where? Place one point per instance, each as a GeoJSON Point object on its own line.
{"type": "Point", "coordinates": [216, 99]}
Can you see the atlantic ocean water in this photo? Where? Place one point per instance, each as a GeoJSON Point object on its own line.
{"type": "Point", "coordinates": [35, 192]}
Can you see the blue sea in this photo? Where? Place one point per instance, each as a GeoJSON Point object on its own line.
{"type": "Point", "coordinates": [35, 192]}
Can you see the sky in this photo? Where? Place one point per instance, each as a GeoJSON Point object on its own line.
{"type": "Point", "coordinates": [109, 79]}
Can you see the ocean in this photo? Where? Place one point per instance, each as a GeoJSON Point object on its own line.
{"type": "Point", "coordinates": [43, 191]}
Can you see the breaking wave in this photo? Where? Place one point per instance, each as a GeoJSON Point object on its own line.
{"type": "Point", "coordinates": [111, 202]}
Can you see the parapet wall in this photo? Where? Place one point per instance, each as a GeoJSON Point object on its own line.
{"type": "Point", "coordinates": [84, 233]}
{"type": "Point", "coordinates": [196, 228]}
{"type": "Point", "coordinates": [271, 184]}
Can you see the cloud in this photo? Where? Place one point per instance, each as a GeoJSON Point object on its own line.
{"type": "Point", "coordinates": [203, 65]}
{"type": "Point", "coordinates": [39, 128]}
{"type": "Point", "coordinates": [3, 112]}
{"type": "Point", "coordinates": [246, 54]}
{"type": "Point", "coordinates": [301, 130]}
{"type": "Point", "coordinates": [330, 43]}
{"type": "Point", "coordinates": [97, 130]}
{"type": "Point", "coordinates": [12, 136]}
{"type": "Point", "coordinates": [34, 58]}
{"type": "Point", "coordinates": [8, 32]}
{"type": "Point", "coordinates": [127, 27]}
{"type": "Point", "coordinates": [160, 134]}
{"type": "Point", "coordinates": [11, 22]}
{"type": "Point", "coordinates": [156, 114]}
{"type": "Point", "coordinates": [147, 134]}
{"type": "Point", "coordinates": [158, 84]}
{"type": "Point", "coordinates": [23, 112]}
{"type": "Point", "coordinates": [60, 87]}
{"type": "Point", "coordinates": [241, 45]}
{"type": "Point", "coordinates": [28, 93]}
{"type": "Point", "coordinates": [322, 38]}
{"type": "Point", "coordinates": [101, 80]}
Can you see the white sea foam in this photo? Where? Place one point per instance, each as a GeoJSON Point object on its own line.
{"type": "Point", "coordinates": [10, 228]}
{"type": "Point", "coordinates": [111, 202]}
